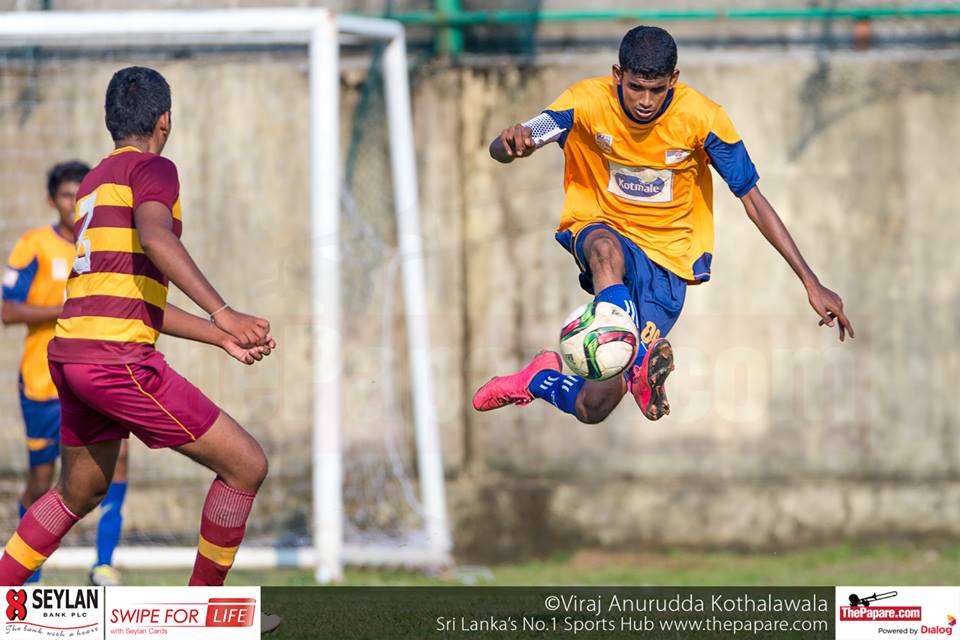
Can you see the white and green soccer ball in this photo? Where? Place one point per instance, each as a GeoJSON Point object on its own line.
{"type": "Point", "coordinates": [599, 341]}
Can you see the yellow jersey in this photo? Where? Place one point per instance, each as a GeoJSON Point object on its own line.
{"type": "Point", "coordinates": [36, 274]}
{"type": "Point", "coordinates": [649, 181]}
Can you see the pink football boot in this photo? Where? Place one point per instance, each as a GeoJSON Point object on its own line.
{"type": "Point", "coordinates": [646, 380]}
{"type": "Point", "coordinates": [512, 389]}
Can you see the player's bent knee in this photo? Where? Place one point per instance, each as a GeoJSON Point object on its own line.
{"type": "Point", "coordinates": [252, 470]}
{"type": "Point", "coordinates": [591, 418]}
{"type": "Point", "coordinates": [604, 244]}
{"type": "Point", "coordinates": [604, 248]}
{"type": "Point", "coordinates": [595, 409]}
{"type": "Point", "coordinates": [81, 501]}
{"type": "Point", "coordinates": [259, 470]}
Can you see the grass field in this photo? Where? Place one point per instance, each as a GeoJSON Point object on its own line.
{"type": "Point", "coordinates": [876, 565]}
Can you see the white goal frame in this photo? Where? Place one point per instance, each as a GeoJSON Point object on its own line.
{"type": "Point", "coordinates": [321, 31]}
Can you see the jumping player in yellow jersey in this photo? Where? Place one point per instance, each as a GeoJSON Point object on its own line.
{"type": "Point", "coordinates": [34, 287]}
{"type": "Point", "coordinates": [638, 216]}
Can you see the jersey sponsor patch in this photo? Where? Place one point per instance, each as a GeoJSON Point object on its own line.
{"type": "Point", "coordinates": [641, 184]}
{"type": "Point", "coordinates": [604, 141]}
{"type": "Point", "coordinates": [10, 277]}
{"type": "Point", "coordinates": [59, 269]}
{"type": "Point", "coordinates": [677, 155]}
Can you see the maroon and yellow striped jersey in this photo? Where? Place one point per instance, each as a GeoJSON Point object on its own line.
{"type": "Point", "coordinates": [115, 295]}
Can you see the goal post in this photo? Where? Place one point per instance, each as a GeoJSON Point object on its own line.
{"type": "Point", "coordinates": [322, 32]}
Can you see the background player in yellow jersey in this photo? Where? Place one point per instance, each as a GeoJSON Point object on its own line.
{"type": "Point", "coordinates": [34, 286]}
{"type": "Point", "coordinates": [638, 216]}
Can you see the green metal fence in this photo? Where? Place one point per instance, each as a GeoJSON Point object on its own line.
{"type": "Point", "coordinates": [449, 18]}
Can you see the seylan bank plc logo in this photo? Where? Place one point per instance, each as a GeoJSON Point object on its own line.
{"type": "Point", "coordinates": [53, 612]}
{"type": "Point", "coordinates": [16, 604]}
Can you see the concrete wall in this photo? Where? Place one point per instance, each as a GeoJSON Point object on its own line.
{"type": "Point", "coordinates": [779, 435]}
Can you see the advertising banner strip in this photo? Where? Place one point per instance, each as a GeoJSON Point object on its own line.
{"type": "Point", "coordinates": [234, 613]}
{"type": "Point", "coordinates": [553, 612]}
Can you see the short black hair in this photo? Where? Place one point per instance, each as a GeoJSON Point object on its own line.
{"type": "Point", "coordinates": [136, 98]}
{"type": "Point", "coordinates": [72, 171]}
{"type": "Point", "coordinates": [649, 52]}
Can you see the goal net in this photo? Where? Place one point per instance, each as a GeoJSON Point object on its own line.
{"type": "Point", "coordinates": [293, 136]}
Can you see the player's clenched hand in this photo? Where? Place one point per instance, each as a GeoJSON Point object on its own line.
{"type": "Point", "coordinates": [829, 307]}
{"type": "Point", "coordinates": [246, 329]}
{"type": "Point", "coordinates": [517, 141]}
{"type": "Point", "coordinates": [251, 355]}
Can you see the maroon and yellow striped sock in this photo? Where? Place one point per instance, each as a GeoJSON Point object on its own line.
{"type": "Point", "coordinates": [37, 537]}
{"type": "Point", "coordinates": [222, 526]}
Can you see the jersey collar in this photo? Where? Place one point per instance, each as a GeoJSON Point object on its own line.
{"type": "Point", "coordinates": [53, 229]}
{"type": "Point", "coordinates": [630, 116]}
{"type": "Point", "coordinates": [124, 150]}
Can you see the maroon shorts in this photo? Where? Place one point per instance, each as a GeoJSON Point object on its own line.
{"type": "Point", "coordinates": [100, 402]}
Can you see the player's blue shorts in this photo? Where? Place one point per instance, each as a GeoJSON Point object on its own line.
{"type": "Point", "coordinates": [657, 293]}
{"type": "Point", "coordinates": [42, 420]}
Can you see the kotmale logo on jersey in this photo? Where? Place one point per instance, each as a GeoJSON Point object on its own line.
{"type": "Point", "coordinates": [223, 613]}
{"type": "Point", "coordinates": [52, 612]}
{"type": "Point", "coordinates": [641, 184]}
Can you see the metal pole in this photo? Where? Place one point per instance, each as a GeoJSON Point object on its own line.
{"type": "Point", "coordinates": [403, 163]}
{"type": "Point", "coordinates": [449, 18]}
{"type": "Point", "coordinates": [325, 275]}
{"type": "Point", "coordinates": [450, 38]}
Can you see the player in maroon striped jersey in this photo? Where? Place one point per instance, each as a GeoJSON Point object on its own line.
{"type": "Point", "coordinates": [112, 382]}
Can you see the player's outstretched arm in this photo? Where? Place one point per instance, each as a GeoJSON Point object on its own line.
{"type": "Point", "coordinates": [21, 312]}
{"type": "Point", "coordinates": [155, 227]}
{"type": "Point", "coordinates": [513, 142]}
{"type": "Point", "coordinates": [825, 302]}
{"type": "Point", "coordinates": [179, 323]}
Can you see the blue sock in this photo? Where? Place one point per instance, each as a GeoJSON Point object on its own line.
{"type": "Point", "coordinates": [36, 574]}
{"type": "Point", "coordinates": [111, 521]}
{"type": "Point", "coordinates": [559, 390]}
{"type": "Point", "coordinates": [619, 295]}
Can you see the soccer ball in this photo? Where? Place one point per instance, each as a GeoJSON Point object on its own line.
{"type": "Point", "coordinates": [599, 341]}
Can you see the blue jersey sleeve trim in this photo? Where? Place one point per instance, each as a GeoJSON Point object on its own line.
{"type": "Point", "coordinates": [21, 288]}
{"type": "Point", "coordinates": [563, 120]}
{"type": "Point", "coordinates": [701, 267]}
{"type": "Point", "coordinates": [732, 163]}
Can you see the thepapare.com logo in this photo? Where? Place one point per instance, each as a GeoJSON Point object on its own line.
{"type": "Point", "coordinates": [53, 612]}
